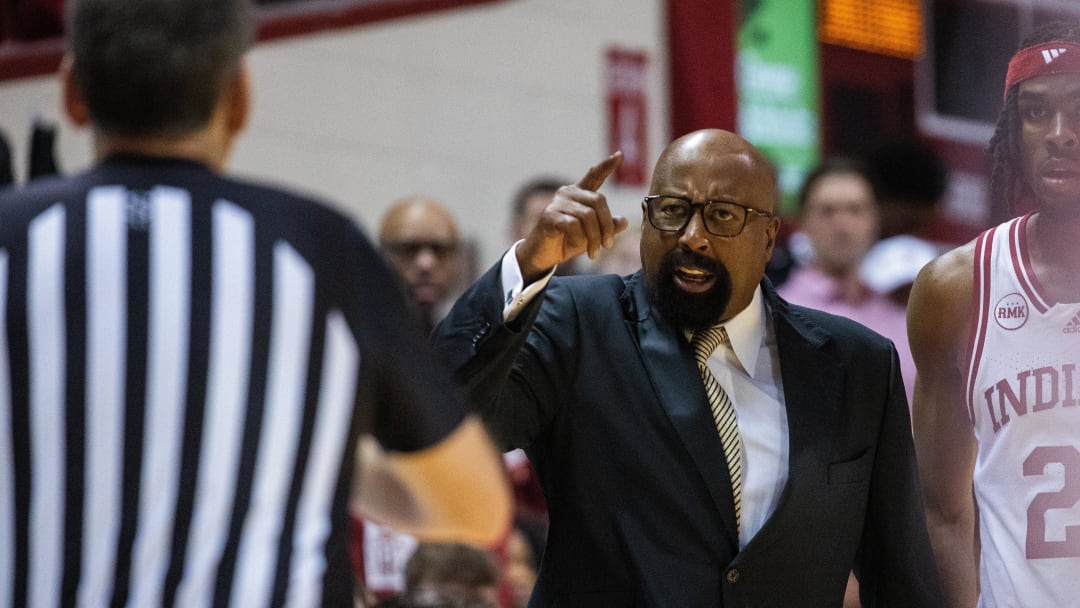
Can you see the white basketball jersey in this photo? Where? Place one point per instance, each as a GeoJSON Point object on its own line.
{"type": "Point", "coordinates": [1023, 396]}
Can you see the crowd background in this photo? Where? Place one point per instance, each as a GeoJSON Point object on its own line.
{"type": "Point", "coordinates": [464, 104]}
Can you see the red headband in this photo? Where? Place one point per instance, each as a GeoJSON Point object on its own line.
{"type": "Point", "coordinates": [1041, 60]}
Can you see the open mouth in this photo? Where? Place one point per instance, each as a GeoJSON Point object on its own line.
{"type": "Point", "coordinates": [693, 279]}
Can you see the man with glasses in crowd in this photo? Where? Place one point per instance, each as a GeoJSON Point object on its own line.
{"type": "Point", "coordinates": [761, 475]}
{"type": "Point", "coordinates": [419, 237]}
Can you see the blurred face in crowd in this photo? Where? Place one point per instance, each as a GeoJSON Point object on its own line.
{"type": "Point", "coordinates": [530, 214]}
{"type": "Point", "coordinates": [840, 216]}
{"type": "Point", "coordinates": [624, 258]}
{"type": "Point", "coordinates": [1049, 111]}
{"type": "Point", "coordinates": [451, 574]}
{"type": "Point", "coordinates": [420, 241]}
{"type": "Point", "coordinates": [698, 278]}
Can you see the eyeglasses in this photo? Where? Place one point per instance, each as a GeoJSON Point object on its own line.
{"type": "Point", "coordinates": [722, 218]}
{"type": "Point", "coordinates": [409, 250]}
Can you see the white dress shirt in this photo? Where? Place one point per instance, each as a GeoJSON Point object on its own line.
{"type": "Point", "coordinates": [748, 368]}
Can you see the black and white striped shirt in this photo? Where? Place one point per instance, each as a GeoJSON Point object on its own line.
{"type": "Point", "coordinates": [185, 364]}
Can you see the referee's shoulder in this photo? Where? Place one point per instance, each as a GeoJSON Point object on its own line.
{"type": "Point", "coordinates": [21, 203]}
{"type": "Point", "coordinates": [287, 197]}
{"type": "Point", "coordinates": [270, 190]}
{"type": "Point", "coordinates": [46, 188]}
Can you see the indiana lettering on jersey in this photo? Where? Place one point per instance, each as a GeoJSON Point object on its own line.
{"type": "Point", "coordinates": [1033, 390]}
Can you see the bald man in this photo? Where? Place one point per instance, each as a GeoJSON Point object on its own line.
{"type": "Point", "coordinates": [759, 476]}
{"type": "Point", "coordinates": [419, 238]}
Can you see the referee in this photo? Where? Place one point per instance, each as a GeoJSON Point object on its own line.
{"type": "Point", "coordinates": [188, 362]}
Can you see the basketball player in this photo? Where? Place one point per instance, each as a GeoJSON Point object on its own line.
{"type": "Point", "coordinates": [995, 331]}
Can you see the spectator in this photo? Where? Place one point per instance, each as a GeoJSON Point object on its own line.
{"type": "Point", "coordinates": [448, 575]}
{"type": "Point", "coordinates": [839, 216]}
{"type": "Point", "coordinates": [419, 237]}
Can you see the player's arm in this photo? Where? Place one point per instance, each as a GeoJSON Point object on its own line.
{"type": "Point", "coordinates": [454, 490]}
{"type": "Point", "coordinates": [938, 322]}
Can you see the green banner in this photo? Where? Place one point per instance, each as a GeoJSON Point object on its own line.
{"type": "Point", "coordinates": [777, 79]}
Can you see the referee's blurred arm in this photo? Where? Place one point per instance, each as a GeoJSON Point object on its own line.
{"type": "Point", "coordinates": [454, 490]}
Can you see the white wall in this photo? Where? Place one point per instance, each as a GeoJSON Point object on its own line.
{"type": "Point", "coordinates": [463, 105]}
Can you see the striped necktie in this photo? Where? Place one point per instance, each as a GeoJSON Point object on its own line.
{"type": "Point", "coordinates": [723, 411]}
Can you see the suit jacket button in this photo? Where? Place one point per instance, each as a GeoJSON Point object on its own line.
{"type": "Point", "coordinates": [480, 333]}
{"type": "Point", "coordinates": [733, 576]}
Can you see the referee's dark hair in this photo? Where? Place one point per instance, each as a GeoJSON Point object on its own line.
{"type": "Point", "coordinates": [149, 68]}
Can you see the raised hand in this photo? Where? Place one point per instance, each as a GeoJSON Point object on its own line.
{"type": "Point", "coordinates": [576, 221]}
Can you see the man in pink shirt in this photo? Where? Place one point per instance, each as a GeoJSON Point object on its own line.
{"type": "Point", "coordinates": [839, 216]}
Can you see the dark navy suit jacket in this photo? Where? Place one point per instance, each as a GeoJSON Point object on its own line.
{"type": "Point", "coordinates": [606, 398]}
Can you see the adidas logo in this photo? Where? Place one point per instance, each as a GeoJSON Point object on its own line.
{"type": "Point", "coordinates": [1073, 326]}
{"type": "Point", "coordinates": [1052, 54]}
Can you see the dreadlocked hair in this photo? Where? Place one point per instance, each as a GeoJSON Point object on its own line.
{"type": "Point", "coordinates": [1006, 166]}
{"type": "Point", "coordinates": [1006, 180]}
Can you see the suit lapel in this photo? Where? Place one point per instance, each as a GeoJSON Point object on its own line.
{"type": "Point", "coordinates": [669, 362]}
{"type": "Point", "coordinates": [813, 389]}
{"type": "Point", "coordinates": [813, 384]}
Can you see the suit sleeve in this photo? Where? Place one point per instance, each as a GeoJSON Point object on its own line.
{"type": "Point", "coordinates": [513, 370]}
{"type": "Point", "coordinates": [408, 397]}
{"type": "Point", "coordinates": [896, 567]}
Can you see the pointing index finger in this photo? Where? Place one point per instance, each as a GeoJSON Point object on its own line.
{"type": "Point", "coordinates": [598, 173]}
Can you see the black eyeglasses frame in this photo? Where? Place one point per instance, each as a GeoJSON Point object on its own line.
{"type": "Point", "coordinates": [696, 206]}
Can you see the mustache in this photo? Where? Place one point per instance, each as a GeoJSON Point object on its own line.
{"type": "Point", "coordinates": [680, 257]}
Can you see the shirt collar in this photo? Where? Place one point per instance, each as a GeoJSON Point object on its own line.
{"type": "Point", "coordinates": [746, 331]}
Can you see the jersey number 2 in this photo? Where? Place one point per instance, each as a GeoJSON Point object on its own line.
{"type": "Point", "coordinates": [1037, 545]}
